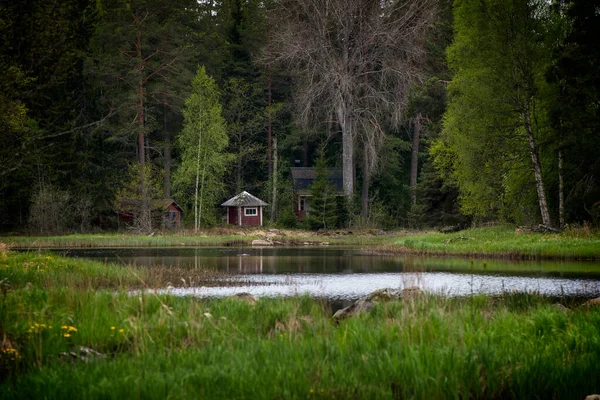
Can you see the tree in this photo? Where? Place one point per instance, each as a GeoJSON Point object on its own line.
{"type": "Point", "coordinates": [202, 143]}
{"type": "Point", "coordinates": [354, 60]}
{"type": "Point", "coordinates": [245, 121]}
{"type": "Point", "coordinates": [139, 53]}
{"type": "Point", "coordinates": [322, 212]}
{"type": "Point", "coordinates": [575, 112]}
{"type": "Point", "coordinates": [496, 115]}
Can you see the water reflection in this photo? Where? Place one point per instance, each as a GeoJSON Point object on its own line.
{"type": "Point", "coordinates": [353, 286]}
{"type": "Point", "coordinates": [345, 273]}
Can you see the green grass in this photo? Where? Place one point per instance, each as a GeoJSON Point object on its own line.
{"type": "Point", "coordinates": [516, 346]}
{"type": "Point", "coordinates": [498, 241]}
{"type": "Point", "coordinates": [107, 240]}
{"type": "Point", "coordinates": [501, 241]}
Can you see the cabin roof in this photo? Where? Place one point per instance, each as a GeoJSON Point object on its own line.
{"type": "Point", "coordinates": [167, 202]}
{"type": "Point", "coordinates": [304, 177]}
{"type": "Point", "coordinates": [244, 199]}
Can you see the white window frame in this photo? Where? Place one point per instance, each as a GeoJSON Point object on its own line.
{"type": "Point", "coordinates": [251, 208]}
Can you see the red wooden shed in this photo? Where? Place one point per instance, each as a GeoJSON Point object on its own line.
{"type": "Point", "coordinates": [249, 207]}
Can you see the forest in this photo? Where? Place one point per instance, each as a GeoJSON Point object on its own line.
{"type": "Point", "coordinates": [438, 112]}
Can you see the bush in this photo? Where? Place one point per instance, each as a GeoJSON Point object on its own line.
{"type": "Point", "coordinates": [50, 211]}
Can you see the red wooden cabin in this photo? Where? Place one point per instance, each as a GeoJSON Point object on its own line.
{"type": "Point", "coordinates": [249, 207]}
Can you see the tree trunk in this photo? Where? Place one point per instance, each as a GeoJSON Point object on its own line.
{"type": "Point", "coordinates": [167, 156]}
{"type": "Point", "coordinates": [561, 191]}
{"type": "Point", "coordinates": [202, 186]}
{"type": "Point", "coordinates": [345, 121]}
{"type": "Point", "coordinates": [238, 172]}
{"type": "Point", "coordinates": [269, 132]}
{"type": "Point", "coordinates": [274, 198]}
{"type": "Point", "coordinates": [364, 200]}
{"type": "Point", "coordinates": [414, 159]}
{"type": "Point", "coordinates": [145, 222]}
{"type": "Point", "coordinates": [537, 169]}
{"type": "Point", "coordinates": [305, 151]}
{"type": "Point", "coordinates": [196, 220]}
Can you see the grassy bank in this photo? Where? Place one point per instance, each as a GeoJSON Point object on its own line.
{"type": "Point", "coordinates": [499, 241]}
{"type": "Point", "coordinates": [516, 346]}
{"type": "Point", "coordinates": [210, 237]}
{"type": "Point", "coordinates": [494, 242]}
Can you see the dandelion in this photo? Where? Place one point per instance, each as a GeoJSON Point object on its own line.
{"type": "Point", "coordinates": [121, 330]}
{"type": "Point", "coordinates": [112, 328]}
{"type": "Point", "coordinates": [72, 329]}
{"type": "Point", "coordinates": [67, 335]}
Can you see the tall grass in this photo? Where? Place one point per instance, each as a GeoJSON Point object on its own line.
{"type": "Point", "coordinates": [500, 241]}
{"type": "Point", "coordinates": [159, 346]}
{"type": "Point", "coordinates": [125, 240]}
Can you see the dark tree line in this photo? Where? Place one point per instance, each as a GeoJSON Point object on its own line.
{"type": "Point", "coordinates": [431, 124]}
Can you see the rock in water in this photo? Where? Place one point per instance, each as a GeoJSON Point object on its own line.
{"type": "Point", "coordinates": [260, 242]}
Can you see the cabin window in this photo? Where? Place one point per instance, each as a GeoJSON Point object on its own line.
{"type": "Point", "coordinates": [250, 211]}
{"type": "Point", "coordinates": [301, 204]}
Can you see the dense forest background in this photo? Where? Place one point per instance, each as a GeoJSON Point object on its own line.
{"type": "Point", "coordinates": [440, 113]}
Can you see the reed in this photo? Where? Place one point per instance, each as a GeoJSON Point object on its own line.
{"type": "Point", "coordinates": [160, 346]}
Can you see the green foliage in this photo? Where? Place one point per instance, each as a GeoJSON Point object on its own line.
{"type": "Point", "coordinates": [322, 202]}
{"type": "Point", "coordinates": [198, 181]}
{"type": "Point", "coordinates": [129, 198]}
{"type": "Point", "coordinates": [499, 57]}
{"type": "Point", "coordinates": [246, 122]}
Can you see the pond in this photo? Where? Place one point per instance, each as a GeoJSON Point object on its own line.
{"type": "Point", "coordinates": [346, 273]}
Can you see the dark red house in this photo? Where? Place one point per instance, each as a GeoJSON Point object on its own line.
{"type": "Point", "coordinates": [249, 207]}
{"type": "Point", "coordinates": [303, 178]}
{"type": "Point", "coordinates": [167, 210]}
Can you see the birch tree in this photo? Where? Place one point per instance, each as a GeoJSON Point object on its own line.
{"type": "Point", "coordinates": [199, 179]}
{"type": "Point", "coordinates": [355, 60]}
{"type": "Point", "coordinates": [496, 117]}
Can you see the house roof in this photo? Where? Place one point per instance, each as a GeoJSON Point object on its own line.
{"type": "Point", "coordinates": [304, 177]}
{"type": "Point", "coordinates": [244, 199]}
{"type": "Point", "coordinates": [167, 202]}
{"type": "Point", "coordinates": [127, 204]}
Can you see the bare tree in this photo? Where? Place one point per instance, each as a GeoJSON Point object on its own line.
{"type": "Point", "coordinates": [354, 59]}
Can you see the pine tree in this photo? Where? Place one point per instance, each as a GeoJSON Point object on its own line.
{"type": "Point", "coordinates": [322, 212]}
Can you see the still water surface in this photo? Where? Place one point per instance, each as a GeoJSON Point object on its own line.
{"type": "Point", "coordinates": [348, 273]}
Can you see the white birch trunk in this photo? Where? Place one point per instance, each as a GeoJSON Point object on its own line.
{"type": "Point", "coordinates": [537, 168]}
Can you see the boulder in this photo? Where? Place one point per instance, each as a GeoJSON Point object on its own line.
{"type": "Point", "coordinates": [247, 297]}
{"type": "Point", "coordinates": [382, 295]}
{"type": "Point", "coordinates": [562, 308]}
{"type": "Point", "coordinates": [261, 242]}
{"type": "Point", "coordinates": [592, 303]}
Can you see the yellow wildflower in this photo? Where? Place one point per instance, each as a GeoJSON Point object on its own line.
{"type": "Point", "coordinates": [121, 330]}
{"type": "Point", "coordinates": [64, 327]}
{"type": "Point", "coordinates": [72, 329]}
{"type": "Point", "coordinates": [67, 335]}
{"type": "Point", "coordinates": [112, 328]}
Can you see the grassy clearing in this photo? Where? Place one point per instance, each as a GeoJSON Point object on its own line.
{"type": "Point", "coordinates": [499, 241]}
{"type": "Point", "coordinates": [517, 346]}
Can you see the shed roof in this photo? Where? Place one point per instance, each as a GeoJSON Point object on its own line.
{"type": "Point", "coordinates": [244, 199]}
{"type": "Point", "coordinates": [304, 177]}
